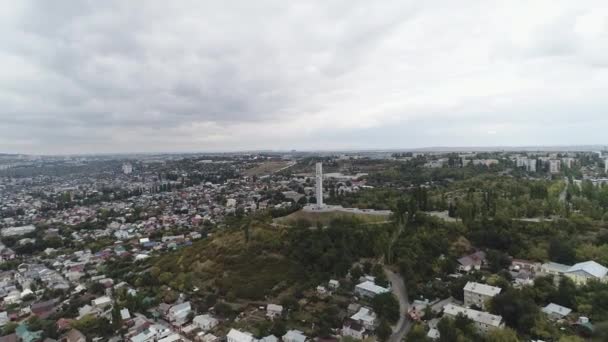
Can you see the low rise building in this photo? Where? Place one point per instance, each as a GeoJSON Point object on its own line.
{"type": "Point", "coordinates": [484, 322]}
{"type": "Point", "coordinates": [369, 289]}
{"type": "Point", "coordinates": [478, 294]}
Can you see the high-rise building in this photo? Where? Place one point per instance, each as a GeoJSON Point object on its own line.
{"type": "Point", "coordinates": [554, 165]}
{"type": "Point", "coordinates": [531, 167]}
{"type": "Point", "coordinates": [606, 165]}
{"type": "Point", "coordinates": [319, 184]}
{"type": "Point", "coordinates": [127, 168]}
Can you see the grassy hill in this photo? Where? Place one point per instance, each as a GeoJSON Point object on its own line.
{"type": "Point", "coordinates": [227, 262]}
{"type": "Point", "coordinates": [274, 261]}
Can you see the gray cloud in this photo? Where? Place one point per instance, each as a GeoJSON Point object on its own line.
{"type": "Point", "coordinates": [104, 76]}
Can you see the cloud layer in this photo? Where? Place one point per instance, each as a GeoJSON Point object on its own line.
{"type": "Point", "coordinates": [123, 76]}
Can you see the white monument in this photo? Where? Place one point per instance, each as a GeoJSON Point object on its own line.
{"type": "Point", "coordinates": [319, 185]}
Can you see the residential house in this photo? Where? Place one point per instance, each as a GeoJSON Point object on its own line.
{"type": "Point", "coordinates": [239, 336]}
{"type": "Point", "coordinates": [205, 322]}
{"type": "Point", "coordinates": [472, 262]}
{"type": "Point", "coordinates": [43, 309]}
{"type": "Point", "coordinates": [73, 336]}
{"type": "Point", "coordinates": [353, 329]}
{"type": "Point", "coordinates": [366, 317]}
{"type": "Point", "coordinates": [556, 312]}
{"type": "Point", "coordinates": [274, 310]}
{"type": "Point", "coordinates": [527, 265]}
{"type": "Point", "coordinates": [369, 289]}
{"type": "Point", "coordinates": [152, 333]}
{"type": "Point", "coordinates": [178, 314]}
{"type": "Point", "coordinates": [294, 336]}
{"type": "Point", "coordinates": [125, 315]}
{"type": "Point", "coordinates": [478, 294]}
{"type": "Point", "coordinates": [101, 302]}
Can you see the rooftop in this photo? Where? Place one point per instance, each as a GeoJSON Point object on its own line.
{"type": "Point", "coordinates": [482, 289]}
{"type": "Point", "coordinates": [590, 267]}
{"type": "Point", "coordinates": [476, 316]}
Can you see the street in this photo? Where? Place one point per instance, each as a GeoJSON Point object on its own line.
{"type": "Point", "coordinates": [404, 324]}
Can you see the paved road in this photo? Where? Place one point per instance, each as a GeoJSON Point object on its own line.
{"type": "Point", "coordinates": [404, 324]}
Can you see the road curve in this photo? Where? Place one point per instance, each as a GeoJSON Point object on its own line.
{"type": "Point", "coordinates": [398, 288]}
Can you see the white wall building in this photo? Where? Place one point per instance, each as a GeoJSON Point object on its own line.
{"type": "Point", "coordinates": [205, 322]}
{"type": "Point", "coordinates": [369, 289]}
{"type": "Point", "coordinates": [484, 322]}
{"type": "Point", "coordinates": [294, 336]}
{"type": "Point", "coordinates": [239, 336]}
{"type": "Point", "coordinates": [478, 294]}
{"type": "Point", "coordinates": [554, 165]}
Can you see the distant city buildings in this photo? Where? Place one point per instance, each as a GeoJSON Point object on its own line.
{"type": "Point", "coordinates": [554, 166]}
{"type": "Point", "coordinates": [127, 168]}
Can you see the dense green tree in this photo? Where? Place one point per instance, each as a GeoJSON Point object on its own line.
{"type": "Point", "coordinates": [386, 306]}
{"type": "Point", "coordinates": [383, 331]}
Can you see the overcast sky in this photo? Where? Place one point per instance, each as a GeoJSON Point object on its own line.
{"type": "Point", "coordinates": [161, 76]}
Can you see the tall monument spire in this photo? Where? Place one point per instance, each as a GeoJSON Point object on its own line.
{"type": "Point", "coordinates": [319, 184]}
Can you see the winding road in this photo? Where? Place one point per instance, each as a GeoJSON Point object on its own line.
{"type": "Point", "coordinates": [398, 288]}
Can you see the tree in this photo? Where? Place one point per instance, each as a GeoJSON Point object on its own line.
{"type": "Point", "coordinates": [497, 260]}
{"type": "Point", "coordinates": [9, 328]}
{"type": "Point", "coordinates": [517, 308]}
{"type": "Point", "coordinates": [561, 251]}
{"type": "Point", "coordinates": [502, 335]}
{"type": "Point", "coordinates": [566, 293]}
{"type": "Point", "coordinates": [386, 306]}
{"type": "Point", "coordinates": [417, 334]}
{"type": "Point", "coordinates": [383, 331]}
{"type": "Point", "coordinates": [447, 330]}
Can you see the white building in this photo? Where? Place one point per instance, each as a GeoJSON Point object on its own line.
{"type": "Point", "coordinates": [556, 312]}
{"type": "Point", "coordinates": [483, 321]}
{"type": "Point", "coordinates": [369, 289]}
{"type": "Point", "coordinates": [584, 271]}
{"type": "Point", "coordinates": [274, 310]}
{"type": "Point", "coordinates": [17, 231]}
{"type": "Point", "coordinates": [366, 317]}
{"type": "Point", "coordinates": [178, 314]}
{"type": "Point", "coordinates": [101, 302]}
{"type": "Point", "coordinates": [239, 336]}
{"type": "Point", "coordinates": [125, 314]}
{"type": "Point", "coordinates": [554, 165]}
{"type": "Point", "coordinates": [205, 322]}
{"type": "Point", "coordinates": [154, 332]}
{"type": "Point", "coordinates": [478, 294]}
{"type": "Point", "coordinates": [579, 273]}
{"type": "Point", "coordinates": [294, 336]}
{"type": "Point", "coordinates": [353, 329]}
{"type": "Point", "coordinates": [531, 167]}
{"type": "Point", "coordinates": [554, 268]}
